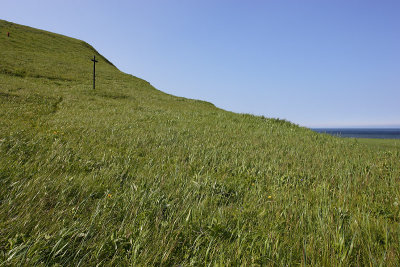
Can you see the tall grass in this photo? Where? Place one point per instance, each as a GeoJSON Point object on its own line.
{"type": "Point", "coordinates": [128, 175]}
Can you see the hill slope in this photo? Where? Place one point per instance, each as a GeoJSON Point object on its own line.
{"type": "Point", "coordinates": [126, 174]}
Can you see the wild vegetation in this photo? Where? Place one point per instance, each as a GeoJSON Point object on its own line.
{"type": "Point", "coordinates": [128, 175]}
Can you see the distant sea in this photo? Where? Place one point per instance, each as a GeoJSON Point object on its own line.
{"type": "Point", "coordinates": [383, 133]}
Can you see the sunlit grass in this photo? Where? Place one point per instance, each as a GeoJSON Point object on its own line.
{"type": "Point", "coordinates": [380, 143]}
{"type": "Point", "coordinates": [128, 175]}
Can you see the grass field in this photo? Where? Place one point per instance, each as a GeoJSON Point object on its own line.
{"type": "Point", "coordinates": [128, 175]}
{"type": "Point", "coordinates": [381, 143]}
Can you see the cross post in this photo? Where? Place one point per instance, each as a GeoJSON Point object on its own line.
{"type": "Point", "coordinates": [94, 71]}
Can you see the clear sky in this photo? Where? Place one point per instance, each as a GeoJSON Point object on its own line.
{"type": "Point", "coordinates": [316, 63]}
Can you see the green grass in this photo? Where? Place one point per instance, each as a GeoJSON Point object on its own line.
{"type": "Point", "coordinates": [128, 175]}
{"type": "Point", "coordinates": [380, 143]}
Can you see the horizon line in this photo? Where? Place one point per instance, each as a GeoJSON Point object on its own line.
{"type": "Point", "coordinates": [372, 126]}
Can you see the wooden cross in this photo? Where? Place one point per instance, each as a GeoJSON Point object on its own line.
{"type": "Point", "coordinates": [94, 71]}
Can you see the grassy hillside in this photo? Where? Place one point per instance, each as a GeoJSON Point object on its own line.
{"type": "Point", "coordinates": [128, 175]}
{"type": "Point", "coordinates": [383, 144]}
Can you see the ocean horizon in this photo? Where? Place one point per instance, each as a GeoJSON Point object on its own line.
{"type": "Point", "coordinates": [379, 133]}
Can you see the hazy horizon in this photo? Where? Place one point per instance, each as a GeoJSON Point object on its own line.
{"type": "Point", "coordinates": [356, 127]}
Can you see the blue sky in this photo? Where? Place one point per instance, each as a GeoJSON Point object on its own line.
{"type": "Point", "coordinates": [316, 63]}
